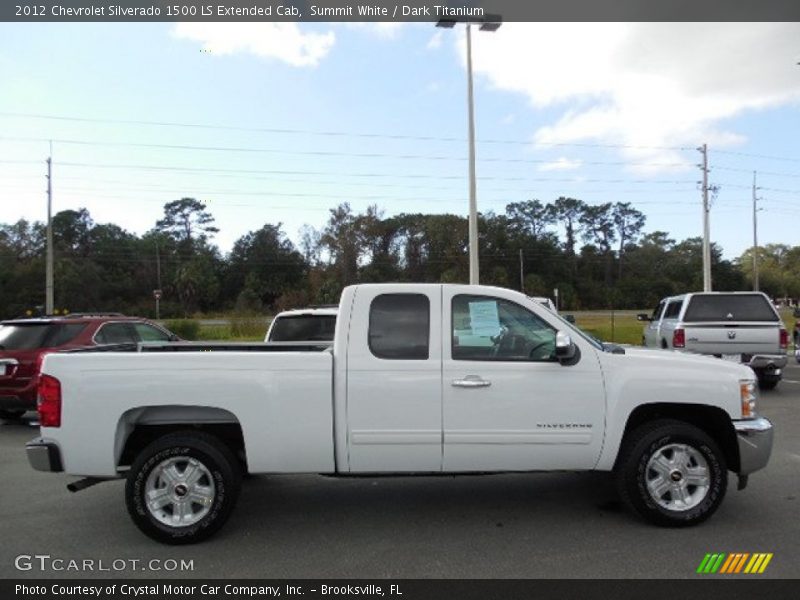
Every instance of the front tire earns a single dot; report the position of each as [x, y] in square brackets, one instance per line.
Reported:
[182, 487]
[672, 473]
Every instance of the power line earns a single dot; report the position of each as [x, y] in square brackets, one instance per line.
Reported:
[284, 152]
[331, 133]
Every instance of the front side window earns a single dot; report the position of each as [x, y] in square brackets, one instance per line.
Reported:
[399, 326]
[657, 311]
[148, 333]
[485, 328]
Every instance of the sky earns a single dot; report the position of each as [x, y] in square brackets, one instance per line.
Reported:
[270, 123]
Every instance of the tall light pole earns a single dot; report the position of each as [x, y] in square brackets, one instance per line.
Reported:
[488, 24]
[48, 283]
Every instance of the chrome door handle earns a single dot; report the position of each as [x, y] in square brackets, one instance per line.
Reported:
[471, 381]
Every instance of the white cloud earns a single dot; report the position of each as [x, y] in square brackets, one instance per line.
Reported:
[433, 87]
[561, 164]
[436, 41]
[280, 41]
[646, 85]
[386, 30]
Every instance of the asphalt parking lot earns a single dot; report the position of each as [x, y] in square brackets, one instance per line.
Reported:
[503, 526]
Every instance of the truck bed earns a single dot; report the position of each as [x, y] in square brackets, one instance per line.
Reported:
[280, 397]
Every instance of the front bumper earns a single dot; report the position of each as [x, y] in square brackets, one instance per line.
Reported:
[755, 444]
[44, 455]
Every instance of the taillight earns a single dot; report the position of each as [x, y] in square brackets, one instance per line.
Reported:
[678, 338]
[784, 339]
[49, 402]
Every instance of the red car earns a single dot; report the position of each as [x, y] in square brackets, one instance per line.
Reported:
[23, 343]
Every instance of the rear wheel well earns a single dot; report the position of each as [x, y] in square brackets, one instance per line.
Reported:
[139, 428]
[712, 420]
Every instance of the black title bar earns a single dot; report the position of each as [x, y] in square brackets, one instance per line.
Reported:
[410, 10]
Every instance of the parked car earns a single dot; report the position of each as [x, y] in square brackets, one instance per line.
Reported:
[796, 333]
[24, 342]
[422, 379]
[738, 326]
[313, 324]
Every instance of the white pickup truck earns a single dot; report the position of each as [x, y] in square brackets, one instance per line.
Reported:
[421, 379]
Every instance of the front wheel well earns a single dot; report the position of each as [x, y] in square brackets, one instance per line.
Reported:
[712, 420]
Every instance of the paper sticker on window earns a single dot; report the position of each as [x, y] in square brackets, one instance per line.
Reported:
[484, 319]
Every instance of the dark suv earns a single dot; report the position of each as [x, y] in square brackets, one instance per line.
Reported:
[23, 343]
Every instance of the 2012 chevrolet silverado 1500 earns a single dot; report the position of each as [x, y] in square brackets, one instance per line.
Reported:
[421, 379]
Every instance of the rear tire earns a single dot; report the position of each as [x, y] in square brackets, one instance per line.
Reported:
[182, 487]
[12, 414]
[768, 383]
[671, 473]
[767, 380]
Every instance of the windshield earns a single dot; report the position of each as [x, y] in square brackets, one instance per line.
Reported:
[31, 336]
[303, 328]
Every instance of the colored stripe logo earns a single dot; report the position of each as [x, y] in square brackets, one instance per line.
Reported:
[733, 563]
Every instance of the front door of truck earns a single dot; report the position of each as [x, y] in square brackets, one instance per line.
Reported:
[508, 404]
[394, 380]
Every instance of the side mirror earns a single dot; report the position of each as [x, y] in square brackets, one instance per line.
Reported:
[567, 352]
[643, 317]
[174, 338]
[569, 319]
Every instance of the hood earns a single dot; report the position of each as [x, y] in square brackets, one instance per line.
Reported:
[673, 358]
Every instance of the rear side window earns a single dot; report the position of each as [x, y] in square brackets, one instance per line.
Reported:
[399, 326]
[730, 307]
[65, 333]
[303, 328]
[673, 309]
[31, 336]
[115, 333]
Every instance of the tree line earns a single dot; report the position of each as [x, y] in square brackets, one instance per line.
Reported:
[597, 256]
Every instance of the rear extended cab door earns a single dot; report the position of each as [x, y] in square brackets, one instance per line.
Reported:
[391, 379]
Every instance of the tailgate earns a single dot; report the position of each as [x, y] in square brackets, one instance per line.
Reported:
[729, 338]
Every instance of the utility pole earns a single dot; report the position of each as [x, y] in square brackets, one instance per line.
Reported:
[521, 273]
[706, 229]
[157, 292]
[755, 236]
[48, 284]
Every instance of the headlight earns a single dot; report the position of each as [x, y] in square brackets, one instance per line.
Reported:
[748, 392]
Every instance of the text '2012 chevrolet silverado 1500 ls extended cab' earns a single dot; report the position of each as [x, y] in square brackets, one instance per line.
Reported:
[421, 379]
